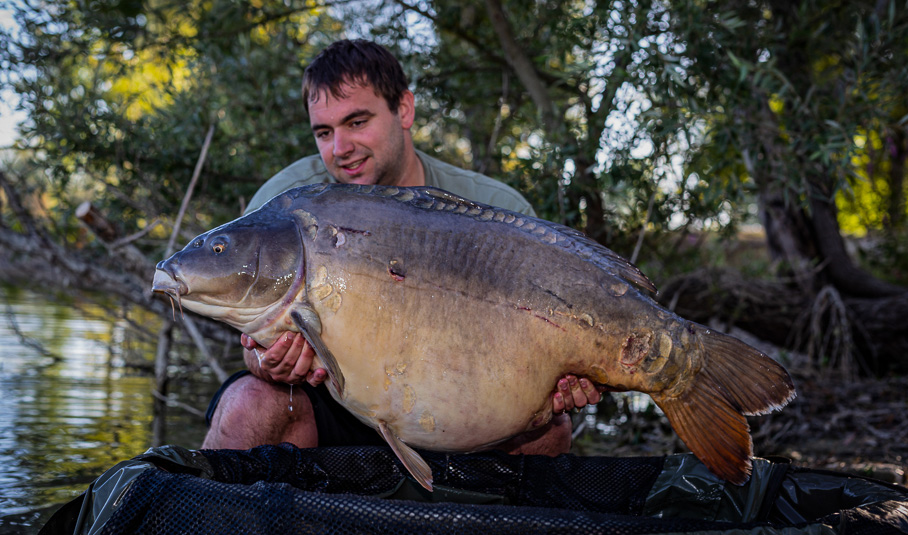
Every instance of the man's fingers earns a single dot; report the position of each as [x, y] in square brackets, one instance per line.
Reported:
[289, 360]
[564, 389]
[590, 391]
[303, 367]
[272, 358]
[578, 395]
[303, 357]
[248, 342]
[294, 353]
[557, 403]
[571, 393]
[317, 376]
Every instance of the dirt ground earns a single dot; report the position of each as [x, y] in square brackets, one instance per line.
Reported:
[857, 425]
[846, 424]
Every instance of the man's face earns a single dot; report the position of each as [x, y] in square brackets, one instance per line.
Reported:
[360, 140]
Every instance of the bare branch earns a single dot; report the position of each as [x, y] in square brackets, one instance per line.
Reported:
[135, 236]
[523, 67]
[195, 178]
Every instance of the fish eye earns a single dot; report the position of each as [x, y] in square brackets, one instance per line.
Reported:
[218, 248]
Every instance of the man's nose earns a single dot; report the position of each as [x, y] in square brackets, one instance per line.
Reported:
[342, 145]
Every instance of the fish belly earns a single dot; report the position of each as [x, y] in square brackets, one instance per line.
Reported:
[442, 374]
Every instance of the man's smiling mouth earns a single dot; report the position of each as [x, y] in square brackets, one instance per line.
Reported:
[353, 166]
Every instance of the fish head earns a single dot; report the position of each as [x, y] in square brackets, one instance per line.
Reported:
[244, 273]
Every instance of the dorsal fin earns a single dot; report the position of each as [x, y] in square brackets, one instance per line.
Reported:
[435, 199]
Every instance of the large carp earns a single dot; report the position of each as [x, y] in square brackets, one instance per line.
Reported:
[422, 305]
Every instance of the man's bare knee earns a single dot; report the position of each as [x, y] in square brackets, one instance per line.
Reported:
[252, 412]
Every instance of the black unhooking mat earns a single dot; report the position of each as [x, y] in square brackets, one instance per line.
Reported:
[283, 489]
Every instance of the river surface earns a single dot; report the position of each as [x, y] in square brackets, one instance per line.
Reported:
[71, 407]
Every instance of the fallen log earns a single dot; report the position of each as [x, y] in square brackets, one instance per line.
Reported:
[871, 332]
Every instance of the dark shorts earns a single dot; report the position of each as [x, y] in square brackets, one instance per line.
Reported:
[335, 425]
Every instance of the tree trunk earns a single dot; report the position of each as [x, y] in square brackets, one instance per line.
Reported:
[838, 266]
[810, 242]
[811, 245]
[788, 238]
[895, 209]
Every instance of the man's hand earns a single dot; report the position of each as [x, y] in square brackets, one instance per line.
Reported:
[575, 393]
[288, 360]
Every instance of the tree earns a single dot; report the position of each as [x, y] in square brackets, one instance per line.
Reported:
[119, 96]
[792, 91]
[798, 85]
[629, 119]
[536, 88]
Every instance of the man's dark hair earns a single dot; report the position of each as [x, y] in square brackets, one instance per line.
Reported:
[354, 61]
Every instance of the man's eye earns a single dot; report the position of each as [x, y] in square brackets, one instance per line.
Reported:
[321, 135]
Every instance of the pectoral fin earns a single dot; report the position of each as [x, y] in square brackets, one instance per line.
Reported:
[310, 326]
[414, 463]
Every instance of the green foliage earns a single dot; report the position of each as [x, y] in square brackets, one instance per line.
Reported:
[789, 91]
[699, 106]
[119, 97]
[653, 116]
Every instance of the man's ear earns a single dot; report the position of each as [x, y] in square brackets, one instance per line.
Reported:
[406, 110]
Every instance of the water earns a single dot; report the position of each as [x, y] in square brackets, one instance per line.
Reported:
[70, 407]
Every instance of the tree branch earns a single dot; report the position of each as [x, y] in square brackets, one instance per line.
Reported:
[523, 67]
[192, 182]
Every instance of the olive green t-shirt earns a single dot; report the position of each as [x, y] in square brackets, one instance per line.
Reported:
[473, 186]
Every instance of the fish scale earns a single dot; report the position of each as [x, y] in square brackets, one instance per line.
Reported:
[427, 309]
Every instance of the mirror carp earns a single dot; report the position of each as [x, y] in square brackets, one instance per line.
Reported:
[423, 306]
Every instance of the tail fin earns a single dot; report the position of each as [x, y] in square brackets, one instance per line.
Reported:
[709, 416]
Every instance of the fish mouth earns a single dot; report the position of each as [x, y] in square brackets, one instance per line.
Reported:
[171, 286]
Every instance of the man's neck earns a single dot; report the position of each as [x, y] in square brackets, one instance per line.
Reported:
[414, 173]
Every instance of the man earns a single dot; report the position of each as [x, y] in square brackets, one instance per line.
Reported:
[361, 112]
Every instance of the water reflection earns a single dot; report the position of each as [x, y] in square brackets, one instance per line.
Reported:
[69, 408]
